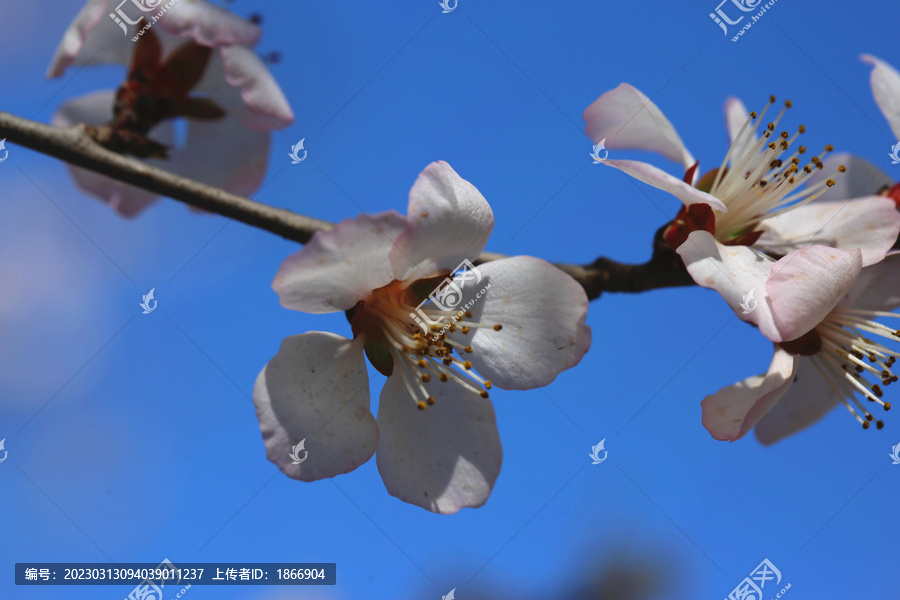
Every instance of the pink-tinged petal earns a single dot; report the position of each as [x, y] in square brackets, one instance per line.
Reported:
[808, 400]
[449, 221]
[542, 313]
[870, 224]
[316, 389]
[338, 268]
[732, 411]
[83, 32]
[886, 89]
[96, 109]
[736, 116]
[208, 24]
[443, 458]
[861, 178]
[738, 273]
[225, 154]
[663, 181]
[629, 120]
[268, 108]
[807, 284]
[877, 287]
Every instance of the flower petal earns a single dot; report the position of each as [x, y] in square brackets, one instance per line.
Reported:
[449, 221]
[225, 154]
[870, 224]
[96, 109]
[663, 181]
[736, 116]
[807, 401]
[878, 286]
[807, 284]
[542, 312]
[443, 458]
[208, 24]
[338, 268]
[886, 89]
[267, 108]
[627, 119]
[316, 389]
[82, 42]
[738, 273]
[732, 411]
[861, 178]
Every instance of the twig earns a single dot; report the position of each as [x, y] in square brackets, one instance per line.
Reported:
[72, 145]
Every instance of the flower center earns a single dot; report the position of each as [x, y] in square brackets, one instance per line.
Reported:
[760, 179]
[852, 362]
[401, 333]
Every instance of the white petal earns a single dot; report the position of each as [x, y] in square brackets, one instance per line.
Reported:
[87, 38]
[449, 220]
[208, 24]
[862, 178]
[732, 411]
[870, 224]
[736, 117]
[738, 273]
[663, 181]
[807, 401]
[443, 458]
[542, 312]
[627, 119]
[338, 268]
[316, 389]
[225, 154]
[806, 285]
[96, 109]
[877, 287]
[267, 108]
[886, 89]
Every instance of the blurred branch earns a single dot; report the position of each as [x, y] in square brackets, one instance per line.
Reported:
[73, 145]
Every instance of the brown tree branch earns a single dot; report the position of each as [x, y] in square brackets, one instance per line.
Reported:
[73, 145]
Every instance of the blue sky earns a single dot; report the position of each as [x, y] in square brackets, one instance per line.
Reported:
[132, 437]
